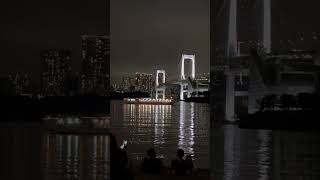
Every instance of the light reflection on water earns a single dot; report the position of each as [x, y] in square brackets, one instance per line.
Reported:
[264, 154]
[29, 152]
[186, 129]
[242, 154]
[76, 156]
[165, 127]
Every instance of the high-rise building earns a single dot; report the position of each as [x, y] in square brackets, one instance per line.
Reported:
[21, 84]
[95, 64]
[57, 68]
[144, 82]
[128, 83]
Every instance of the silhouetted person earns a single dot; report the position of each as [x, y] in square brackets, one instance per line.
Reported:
[179, 164]
[118, 161]
[189, 163]
[151, 164]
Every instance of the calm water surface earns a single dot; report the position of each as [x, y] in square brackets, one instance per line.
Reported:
[264, 154]
[163, 127]
[76, 156]
[236, 153]
[28, 151]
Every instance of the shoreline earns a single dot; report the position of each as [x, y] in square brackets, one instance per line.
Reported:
[165, 172]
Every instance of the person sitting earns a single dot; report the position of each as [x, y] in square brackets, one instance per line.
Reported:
[119, 161]
[189, 164]
[151, 164]
[179, 164]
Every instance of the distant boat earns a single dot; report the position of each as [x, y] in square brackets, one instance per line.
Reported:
[148, 101]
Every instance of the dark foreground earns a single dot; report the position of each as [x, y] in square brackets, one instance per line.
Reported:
[201, 174]
[301, 120]
[20, 108]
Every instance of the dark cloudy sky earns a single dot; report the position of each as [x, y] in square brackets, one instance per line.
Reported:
[146, 34]
[151, 34]
[27, 27]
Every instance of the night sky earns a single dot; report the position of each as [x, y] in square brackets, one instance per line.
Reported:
[151, 34]
[146, 34]
[27, 27]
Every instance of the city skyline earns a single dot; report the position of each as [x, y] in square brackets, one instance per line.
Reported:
[63, 31]
[28, 28]
[145, 89]
[151, 34]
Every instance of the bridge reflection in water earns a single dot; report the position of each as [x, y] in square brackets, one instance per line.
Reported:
[164, 127]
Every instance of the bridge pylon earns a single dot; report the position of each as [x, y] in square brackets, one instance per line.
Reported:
[160, 91]
[185, 86]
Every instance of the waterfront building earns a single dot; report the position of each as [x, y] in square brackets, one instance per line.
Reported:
[56, 70]
[95, 76]
[128, 83]
[144, 82]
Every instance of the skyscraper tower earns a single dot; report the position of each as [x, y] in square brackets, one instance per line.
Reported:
[144, 82]
[95, 64]
[57, 68]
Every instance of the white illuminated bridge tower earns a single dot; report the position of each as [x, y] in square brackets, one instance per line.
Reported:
[185, 84]
[189, 85]
[233, 49]
[233, 53]
[160, 88]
